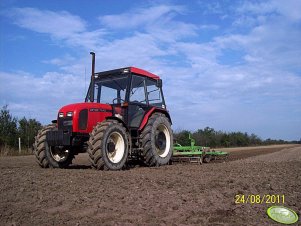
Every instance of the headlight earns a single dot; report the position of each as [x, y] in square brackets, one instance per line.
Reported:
[69, 114]
[61, 115]
[126, 70]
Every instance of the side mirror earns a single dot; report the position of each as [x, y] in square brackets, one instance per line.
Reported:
[159, 83]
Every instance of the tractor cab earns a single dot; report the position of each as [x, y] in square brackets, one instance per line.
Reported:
[130, 91]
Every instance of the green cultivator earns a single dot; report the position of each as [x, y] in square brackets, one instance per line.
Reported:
[196, 154]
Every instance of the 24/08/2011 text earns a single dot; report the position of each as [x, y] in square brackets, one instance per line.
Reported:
[259, 199]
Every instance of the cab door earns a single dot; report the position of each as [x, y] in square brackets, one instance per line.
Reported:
[138, 102]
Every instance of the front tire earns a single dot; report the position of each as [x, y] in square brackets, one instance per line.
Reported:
[49, 156]
[108, 146]
[157, 140]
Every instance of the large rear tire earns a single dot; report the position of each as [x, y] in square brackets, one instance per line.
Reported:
[48, 156]
[108, 146]
[157, 140]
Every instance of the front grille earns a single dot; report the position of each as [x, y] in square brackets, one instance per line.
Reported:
[65, 124]
[83, 119]
[58, 137]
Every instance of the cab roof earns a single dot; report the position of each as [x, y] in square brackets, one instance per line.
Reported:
[129, 69]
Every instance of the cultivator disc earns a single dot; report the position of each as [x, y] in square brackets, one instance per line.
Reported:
[188, 160]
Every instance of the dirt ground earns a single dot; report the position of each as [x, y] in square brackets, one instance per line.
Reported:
[180, 194]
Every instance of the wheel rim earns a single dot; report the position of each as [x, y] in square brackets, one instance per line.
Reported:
[59, 154]
[162, 141]
[115, 147]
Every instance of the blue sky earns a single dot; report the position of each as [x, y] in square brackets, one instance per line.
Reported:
[230, 65]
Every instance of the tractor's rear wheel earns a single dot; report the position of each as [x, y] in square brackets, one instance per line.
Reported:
[49, 156]
[157, 140]
[108, 146]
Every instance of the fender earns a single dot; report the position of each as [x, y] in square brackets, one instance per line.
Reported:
[149, 114]
[119, 120]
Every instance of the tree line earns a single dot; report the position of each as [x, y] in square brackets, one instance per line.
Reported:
[12, 128]
[211, 138]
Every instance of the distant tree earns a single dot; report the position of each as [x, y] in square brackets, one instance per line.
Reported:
[182, 137]
[8, 128]
[199, 138]
[209, 135]
[225, 141]
[11, 129]
[212, 138]
[27, 131]
[255, 140]
[206, 137]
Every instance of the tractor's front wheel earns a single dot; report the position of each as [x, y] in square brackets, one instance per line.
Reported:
[108, 146]
[157, 140]
[50, 156]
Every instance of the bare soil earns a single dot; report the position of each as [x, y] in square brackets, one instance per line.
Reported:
[180, 194]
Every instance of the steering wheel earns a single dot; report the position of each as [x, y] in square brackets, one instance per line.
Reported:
[121, 100]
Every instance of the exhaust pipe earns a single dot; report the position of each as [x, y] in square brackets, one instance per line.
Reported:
[92, 77]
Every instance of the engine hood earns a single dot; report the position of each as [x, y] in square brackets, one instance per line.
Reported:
[84, 116]
[77, 107]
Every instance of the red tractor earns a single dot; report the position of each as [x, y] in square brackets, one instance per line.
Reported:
[123, 118]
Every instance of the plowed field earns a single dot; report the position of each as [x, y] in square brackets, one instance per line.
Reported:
[180, 194]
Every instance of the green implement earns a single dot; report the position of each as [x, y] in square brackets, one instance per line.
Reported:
[196, 154]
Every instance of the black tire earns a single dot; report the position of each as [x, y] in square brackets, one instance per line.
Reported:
[108, 146]
[45, 154]
[157, 140]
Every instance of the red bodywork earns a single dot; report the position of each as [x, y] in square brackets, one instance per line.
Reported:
[143, 72]
[149, 114]
[146, 117]
[93, 116]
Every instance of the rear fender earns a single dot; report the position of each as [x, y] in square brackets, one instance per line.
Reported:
[150, 113]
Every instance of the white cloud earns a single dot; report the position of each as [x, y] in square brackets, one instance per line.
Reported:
[209, 26]
[139, 17]
[65, 60]
[157, 21]
[290, 9]
[40, 97]
[59, 25]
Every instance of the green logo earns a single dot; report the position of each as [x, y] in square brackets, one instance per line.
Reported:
[282, 214]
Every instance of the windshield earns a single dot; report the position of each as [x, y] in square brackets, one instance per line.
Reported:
[111, 89]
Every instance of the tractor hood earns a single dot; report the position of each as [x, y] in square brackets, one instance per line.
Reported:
[83, 116]
[74, 109]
